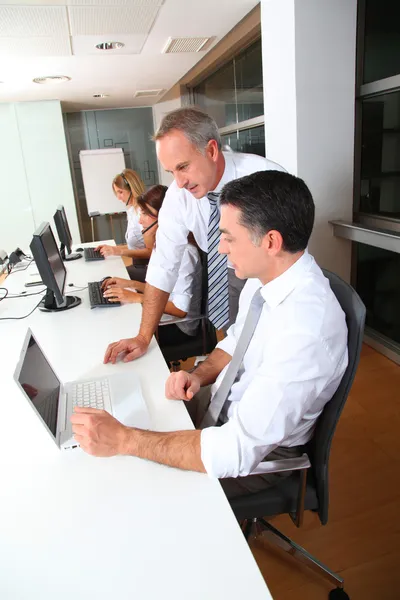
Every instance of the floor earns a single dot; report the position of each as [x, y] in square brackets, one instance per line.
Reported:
[362, 538]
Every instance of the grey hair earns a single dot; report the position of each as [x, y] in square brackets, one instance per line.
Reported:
[196, 125]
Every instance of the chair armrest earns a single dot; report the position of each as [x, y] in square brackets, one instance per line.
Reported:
[280, 466]
[172, 319]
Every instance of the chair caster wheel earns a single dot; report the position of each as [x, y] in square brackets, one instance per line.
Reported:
[338, 594]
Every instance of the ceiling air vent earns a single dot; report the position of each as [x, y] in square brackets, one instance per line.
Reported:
[51, 79]
[147, 93]
[176, 45]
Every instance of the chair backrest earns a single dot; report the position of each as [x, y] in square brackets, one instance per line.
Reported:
[320, 445]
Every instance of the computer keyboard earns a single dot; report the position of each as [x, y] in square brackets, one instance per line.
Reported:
[96, 297]
[90, 394]
[92, 254]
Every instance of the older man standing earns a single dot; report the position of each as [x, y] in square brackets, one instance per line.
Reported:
[189, 146]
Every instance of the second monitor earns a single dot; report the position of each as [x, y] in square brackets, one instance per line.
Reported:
[64, 234]
[52, 270]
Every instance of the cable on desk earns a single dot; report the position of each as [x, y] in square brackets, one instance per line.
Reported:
[23, 317]
[6, 293]
[14, 270]
[22, 295]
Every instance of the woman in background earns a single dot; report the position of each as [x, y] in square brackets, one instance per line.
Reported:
[127, 187]
[185, 298]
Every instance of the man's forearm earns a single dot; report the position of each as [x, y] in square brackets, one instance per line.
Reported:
[180, 449]
[209, 369]
[154, 302]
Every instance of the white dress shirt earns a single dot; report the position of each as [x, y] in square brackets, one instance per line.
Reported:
[181, 212]
[133, 235]
[186, 294]
[292, 368]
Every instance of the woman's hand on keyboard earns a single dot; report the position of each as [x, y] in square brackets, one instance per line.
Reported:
[119, 294]
[119, 281]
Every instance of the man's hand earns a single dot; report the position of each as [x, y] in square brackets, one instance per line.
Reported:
[132, 347]
[182, 386]
[97, 432]
[120, 294]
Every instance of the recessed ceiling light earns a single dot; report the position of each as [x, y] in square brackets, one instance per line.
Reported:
[101, 95]
[51, 79]
[110, 46]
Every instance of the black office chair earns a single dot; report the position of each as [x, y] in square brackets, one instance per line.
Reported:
[205, 339]
[307, 488]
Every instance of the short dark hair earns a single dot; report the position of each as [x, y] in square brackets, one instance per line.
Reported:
[273, 200]
[153, 198]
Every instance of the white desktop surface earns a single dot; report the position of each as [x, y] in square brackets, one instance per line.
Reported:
[76, 526]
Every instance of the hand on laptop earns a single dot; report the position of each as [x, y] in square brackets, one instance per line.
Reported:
[182, 386]
[97, 432]
[131, 347]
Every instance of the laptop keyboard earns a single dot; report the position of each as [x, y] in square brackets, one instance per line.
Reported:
[92, 254]
[90, 394]
[96, 297]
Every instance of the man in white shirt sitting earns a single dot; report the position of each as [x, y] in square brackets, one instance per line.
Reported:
[280, 363]
[188, 145]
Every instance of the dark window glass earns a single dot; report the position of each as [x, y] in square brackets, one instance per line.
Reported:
[378, 283]
[234, 93]
[249, 83]
[380, 155]
[217, 96]
[382, 39]
[248, 140]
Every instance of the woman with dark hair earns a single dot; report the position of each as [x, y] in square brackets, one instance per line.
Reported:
[185, 298]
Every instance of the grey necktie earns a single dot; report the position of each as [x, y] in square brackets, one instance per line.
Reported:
[219, 399]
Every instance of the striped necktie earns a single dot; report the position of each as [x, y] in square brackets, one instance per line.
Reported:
[218, 293]
[222, 393]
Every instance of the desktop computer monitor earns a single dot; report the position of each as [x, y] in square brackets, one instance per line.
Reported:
[64, 234]
[51, 269]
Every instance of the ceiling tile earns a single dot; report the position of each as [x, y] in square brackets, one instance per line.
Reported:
[33, 21]
[35, 46]
[94, 20]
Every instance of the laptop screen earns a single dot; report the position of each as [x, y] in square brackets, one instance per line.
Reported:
[40, 384]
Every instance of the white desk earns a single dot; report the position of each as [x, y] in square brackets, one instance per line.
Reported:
[75, 526]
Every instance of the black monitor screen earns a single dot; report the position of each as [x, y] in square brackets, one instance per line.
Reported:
[40, 384]
[48, 260]
[64, 233]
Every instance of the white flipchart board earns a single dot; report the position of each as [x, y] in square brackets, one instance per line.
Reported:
[99, 167]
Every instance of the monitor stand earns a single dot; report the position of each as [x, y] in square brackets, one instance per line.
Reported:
[72, 256]
[50, 304]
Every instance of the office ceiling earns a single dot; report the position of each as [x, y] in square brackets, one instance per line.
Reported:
[41, 38]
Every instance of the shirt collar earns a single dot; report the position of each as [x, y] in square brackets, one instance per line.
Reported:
[229, 173]
[278, 289]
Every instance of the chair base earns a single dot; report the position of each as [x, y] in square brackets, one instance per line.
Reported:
[294, 549]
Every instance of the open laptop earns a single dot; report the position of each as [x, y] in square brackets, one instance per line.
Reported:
[53, 402]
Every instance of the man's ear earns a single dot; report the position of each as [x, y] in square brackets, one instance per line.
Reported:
[212, 150]
[272, 241]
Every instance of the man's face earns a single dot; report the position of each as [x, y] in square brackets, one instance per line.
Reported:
[192, 170]
[247, 259]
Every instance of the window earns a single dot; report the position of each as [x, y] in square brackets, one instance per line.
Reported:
[251, 140]
[380, 155]
[233, 95]
[378, 284]
[381, 39]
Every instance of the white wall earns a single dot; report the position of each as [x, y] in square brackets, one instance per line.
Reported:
[159, 110]
[34, 172]
[309, 94]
